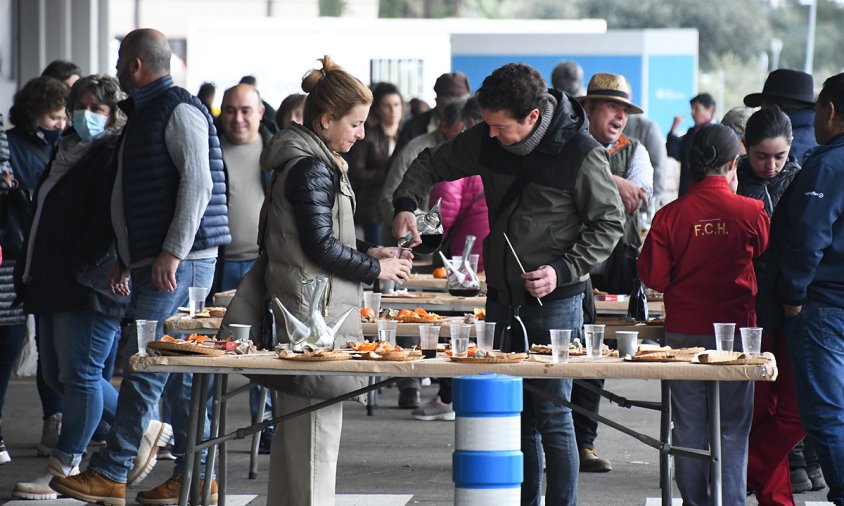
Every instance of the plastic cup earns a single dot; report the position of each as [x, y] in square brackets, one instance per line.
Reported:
[473, 262]
[560, 339]
[459, 340]
[751, 341]
[485, 332]
[460, 347]
[196, 299]
[724, 336]
[147, 330]
[387, 331]
[626, 341]
[372, 300]
[240, 332]
[594, 337]
[388, 286]
[429, 335]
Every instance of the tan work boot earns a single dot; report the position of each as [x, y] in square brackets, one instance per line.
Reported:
[39, 488]
[91, 486]
[168, 492]
[590, 462]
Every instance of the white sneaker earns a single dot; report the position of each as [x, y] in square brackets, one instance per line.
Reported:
[426, 382]
[434, 410]
[39, 488]
[50, 434]
[157, 436]
[4, 453]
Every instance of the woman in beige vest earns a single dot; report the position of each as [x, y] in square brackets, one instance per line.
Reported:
[307, 230]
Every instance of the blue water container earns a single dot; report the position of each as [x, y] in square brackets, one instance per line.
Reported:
[487, 466]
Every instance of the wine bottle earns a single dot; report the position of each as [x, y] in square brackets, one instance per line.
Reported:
[637, 308]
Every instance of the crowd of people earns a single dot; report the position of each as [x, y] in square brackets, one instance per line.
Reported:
[120, 193]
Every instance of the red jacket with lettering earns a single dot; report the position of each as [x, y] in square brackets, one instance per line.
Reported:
[699, 253]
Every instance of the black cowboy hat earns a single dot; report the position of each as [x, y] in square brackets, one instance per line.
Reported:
[785, 84]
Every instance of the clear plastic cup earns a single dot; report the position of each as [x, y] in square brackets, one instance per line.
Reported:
[724, 336]
[626, 342]
[460, 340]
[196, 299]
[147, 331]
[473, 262]
[560, 339]
[751, 341]
[372, 300]
[429, 335]
[387, 331]
[485, 332]
[593, 335]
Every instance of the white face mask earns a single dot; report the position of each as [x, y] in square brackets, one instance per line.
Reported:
[88, 124]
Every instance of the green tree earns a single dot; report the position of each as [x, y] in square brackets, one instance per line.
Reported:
[330, 8]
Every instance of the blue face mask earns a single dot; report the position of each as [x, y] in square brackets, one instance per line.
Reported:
[88, 124]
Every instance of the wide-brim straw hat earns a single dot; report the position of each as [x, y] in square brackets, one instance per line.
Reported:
[610, 87]
[785, 84]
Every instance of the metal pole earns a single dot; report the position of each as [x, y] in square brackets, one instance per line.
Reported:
[810, 36]
[222, 474]
[190, 450]
[713, 395]
[665, 437]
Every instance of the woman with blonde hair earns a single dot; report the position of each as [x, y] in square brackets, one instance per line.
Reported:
[307, 230]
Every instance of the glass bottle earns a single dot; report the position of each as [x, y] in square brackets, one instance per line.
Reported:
[429, 224]
[637, 307]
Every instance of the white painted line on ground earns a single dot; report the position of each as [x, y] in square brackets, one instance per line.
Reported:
[231, 500]
[370, 499]
[657, 501]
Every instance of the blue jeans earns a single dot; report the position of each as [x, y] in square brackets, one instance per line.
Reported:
[689, 413]
[74, 349]
[546, 425]
[141, 391]
[51, 399]
[233, 272]
[816, 345]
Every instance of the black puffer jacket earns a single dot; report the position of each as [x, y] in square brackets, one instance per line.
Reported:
[310, 189]
[769, 191]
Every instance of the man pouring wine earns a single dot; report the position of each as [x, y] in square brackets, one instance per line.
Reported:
[548, 186]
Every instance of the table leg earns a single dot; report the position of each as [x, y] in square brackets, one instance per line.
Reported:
[665, 437]
[200, 432]
[190, 449]
[214, 432]
[256, 438]
[222, 474]
[713, 395]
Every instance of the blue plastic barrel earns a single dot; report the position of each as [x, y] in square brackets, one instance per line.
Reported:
[487, 466]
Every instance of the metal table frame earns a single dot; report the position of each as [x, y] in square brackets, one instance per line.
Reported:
[206, 369]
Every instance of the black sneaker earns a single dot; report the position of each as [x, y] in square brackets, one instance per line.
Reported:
[4, 453]
[266, 442]
[800, 481]
[409, 398]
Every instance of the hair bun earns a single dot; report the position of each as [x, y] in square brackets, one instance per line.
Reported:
[314, 76]
[709, 156]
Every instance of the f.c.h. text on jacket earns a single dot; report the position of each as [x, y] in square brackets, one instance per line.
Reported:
[151, 180]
